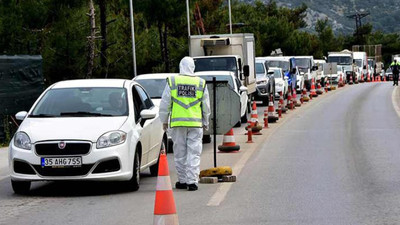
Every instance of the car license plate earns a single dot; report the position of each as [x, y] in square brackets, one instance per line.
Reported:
[61, 162]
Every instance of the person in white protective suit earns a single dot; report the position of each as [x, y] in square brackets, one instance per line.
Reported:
[185, 105]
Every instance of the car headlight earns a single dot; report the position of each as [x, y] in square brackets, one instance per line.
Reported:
[111, 139]
[22, 140]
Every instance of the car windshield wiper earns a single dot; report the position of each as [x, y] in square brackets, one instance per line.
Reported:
[42, 115]
[81, 113]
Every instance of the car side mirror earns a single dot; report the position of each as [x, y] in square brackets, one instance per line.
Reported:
[148, 114]
[246, 70]
[21, 115]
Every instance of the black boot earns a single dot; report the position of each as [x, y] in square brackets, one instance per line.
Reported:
[192, 187]
[179, 185]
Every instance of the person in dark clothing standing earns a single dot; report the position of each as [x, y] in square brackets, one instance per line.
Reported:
[395, 66]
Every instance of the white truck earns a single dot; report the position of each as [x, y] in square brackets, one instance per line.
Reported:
[307, 69]
[360, 59]
[226, 52]
[345, 68]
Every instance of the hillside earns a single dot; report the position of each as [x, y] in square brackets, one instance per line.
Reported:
[384, 14]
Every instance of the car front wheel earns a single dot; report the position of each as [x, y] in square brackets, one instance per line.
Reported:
[133, 183]
[21, 187]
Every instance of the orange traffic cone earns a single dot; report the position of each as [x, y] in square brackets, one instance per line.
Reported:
[362, 78]
[368, 78]
[296, 104]
[356, 80]
[341, 84]
[249, 133]
[313, 93]
[319, 91]
[271, 117]
[305, 97]
[279, 109]
[281, 100]
[164, 208]
[255, 126]
[384, 78]
[326, 86]
[289, 104]
[265, 118]
[351, 80]
[228, 143]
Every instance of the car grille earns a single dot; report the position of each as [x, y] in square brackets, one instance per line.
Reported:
[72, 171]
[70, 148]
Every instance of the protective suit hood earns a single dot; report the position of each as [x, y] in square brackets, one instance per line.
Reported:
[186, 66]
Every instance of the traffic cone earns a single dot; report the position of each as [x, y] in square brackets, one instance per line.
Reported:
[255, 126]
[384, 78]
[289, 104]
[351, 80]
[319, 91]
[356, 80]
[282, 102]
[340, 82]
[279, 109]
[265, 118]
[368, 78]
[296, 104]
[328, 85]
[249, 133]
[228, 143]
[271, 117]
[305, 97]
[379, 78]
[313, 93]
[164, 207]
[362, 78]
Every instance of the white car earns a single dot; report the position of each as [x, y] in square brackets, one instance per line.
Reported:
[94, 129]
[154, 84]
[235, 83]
[281, 83]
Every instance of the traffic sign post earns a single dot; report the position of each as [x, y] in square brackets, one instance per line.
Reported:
[226, 113]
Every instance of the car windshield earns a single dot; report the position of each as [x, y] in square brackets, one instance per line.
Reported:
[216, 64]
[219, 78]
[260, 68]
[154, 87]
[82, 102]
[358, 62]
[303, 62]
[340, 60]
[389, 70]
[284, 65]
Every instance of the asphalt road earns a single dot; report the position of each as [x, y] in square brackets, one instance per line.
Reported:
[335, 160]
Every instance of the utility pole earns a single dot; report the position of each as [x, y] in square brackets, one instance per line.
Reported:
[91, 39]
[358, 17]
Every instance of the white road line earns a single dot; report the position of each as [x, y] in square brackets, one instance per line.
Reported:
[396, 100]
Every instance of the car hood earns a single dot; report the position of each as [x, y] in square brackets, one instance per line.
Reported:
[70, 128]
